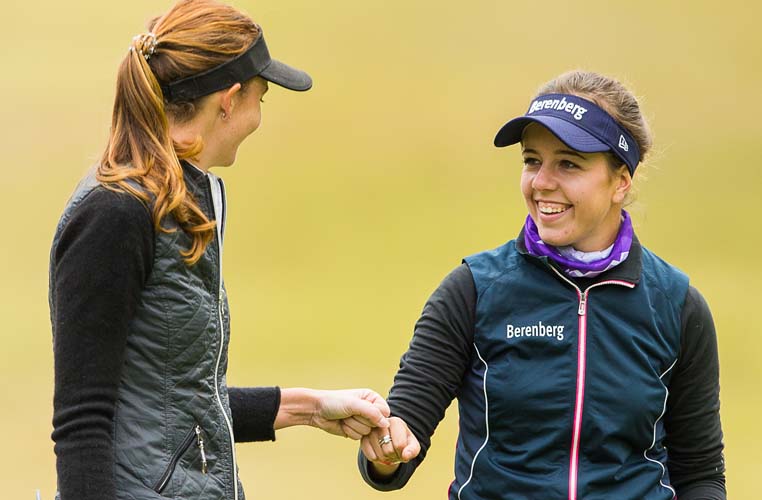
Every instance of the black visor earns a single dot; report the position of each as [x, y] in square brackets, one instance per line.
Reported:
[255, 61]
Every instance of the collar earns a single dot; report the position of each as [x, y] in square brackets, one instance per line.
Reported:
[630, 270]
[192, 173]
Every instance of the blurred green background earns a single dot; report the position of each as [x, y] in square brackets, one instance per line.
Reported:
[355, 199]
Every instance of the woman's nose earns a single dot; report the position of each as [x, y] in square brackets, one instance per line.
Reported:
[544, 180]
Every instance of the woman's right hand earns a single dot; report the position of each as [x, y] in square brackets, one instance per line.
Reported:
[387, 448]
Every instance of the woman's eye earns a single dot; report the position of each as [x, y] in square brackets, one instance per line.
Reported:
[531, 162]
[569, 165]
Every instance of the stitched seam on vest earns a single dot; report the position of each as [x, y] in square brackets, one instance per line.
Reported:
[492, 283]
[653, 265]
[165, 385]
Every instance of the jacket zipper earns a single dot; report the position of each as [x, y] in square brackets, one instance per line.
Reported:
[201, 449]
[218, 217]
[189, 438]
[581, 368]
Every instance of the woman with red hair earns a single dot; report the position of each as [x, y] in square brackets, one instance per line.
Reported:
[138, 303]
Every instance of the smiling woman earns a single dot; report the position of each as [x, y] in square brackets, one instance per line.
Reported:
[573, 198]
[584, 365]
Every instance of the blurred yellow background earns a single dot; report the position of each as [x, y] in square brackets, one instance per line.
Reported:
[355, 199]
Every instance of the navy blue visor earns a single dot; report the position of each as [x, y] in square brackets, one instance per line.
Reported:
[578, 123]
[254, 61]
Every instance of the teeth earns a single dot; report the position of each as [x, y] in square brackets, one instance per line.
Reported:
[552, 210]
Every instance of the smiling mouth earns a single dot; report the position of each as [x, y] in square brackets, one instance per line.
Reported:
[552, 208]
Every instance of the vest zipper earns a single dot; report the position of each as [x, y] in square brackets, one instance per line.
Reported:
[186, 443]
[200, 444]
[579, 397]
[219, 217]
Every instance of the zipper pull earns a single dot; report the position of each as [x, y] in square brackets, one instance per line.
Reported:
[582, 304]
[200, 442]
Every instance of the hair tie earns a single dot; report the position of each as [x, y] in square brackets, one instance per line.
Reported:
[145, 44]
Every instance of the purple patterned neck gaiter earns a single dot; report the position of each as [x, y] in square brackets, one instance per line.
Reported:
[578, 268]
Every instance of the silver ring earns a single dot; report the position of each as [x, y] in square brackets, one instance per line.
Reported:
[385, 440]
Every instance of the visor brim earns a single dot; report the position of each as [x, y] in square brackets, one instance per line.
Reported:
[286, 76]
[568, 133]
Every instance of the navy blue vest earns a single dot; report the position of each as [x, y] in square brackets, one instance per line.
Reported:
[567, 386]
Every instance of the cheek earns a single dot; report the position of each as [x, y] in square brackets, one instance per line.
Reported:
[250, 124]
[526, 185]
[588, 192]
[258, 111]
[592, 202]
[579, 197]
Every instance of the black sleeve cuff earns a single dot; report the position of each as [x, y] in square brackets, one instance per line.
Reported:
[254, 410]
[394, 482]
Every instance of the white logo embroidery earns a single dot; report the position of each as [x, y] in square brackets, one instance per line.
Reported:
[538, 330]
[623, 144]
[559, 105]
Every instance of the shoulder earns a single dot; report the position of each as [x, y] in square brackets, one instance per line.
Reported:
[499, 253]
[103, 218]
[665, 276]
[488, 266]
[104, 207]
[459, 278]
[650, 258]
[120, 203]
[658, 264]
[696, 313]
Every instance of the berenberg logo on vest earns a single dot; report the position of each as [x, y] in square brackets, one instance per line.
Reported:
[538, 330]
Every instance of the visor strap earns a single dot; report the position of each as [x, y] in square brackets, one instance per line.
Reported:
[241, 68]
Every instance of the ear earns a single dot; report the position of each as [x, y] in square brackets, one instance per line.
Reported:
[227, 100]
[623, 183]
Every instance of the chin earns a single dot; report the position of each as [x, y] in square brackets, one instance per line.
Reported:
[554, 239]
[557, 243]
[226, 162]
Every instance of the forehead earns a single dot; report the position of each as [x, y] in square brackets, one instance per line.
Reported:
[536, 136]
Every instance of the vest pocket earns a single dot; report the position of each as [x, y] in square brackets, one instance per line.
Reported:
[195, 435]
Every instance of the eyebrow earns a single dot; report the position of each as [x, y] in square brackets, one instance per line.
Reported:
[558, 152]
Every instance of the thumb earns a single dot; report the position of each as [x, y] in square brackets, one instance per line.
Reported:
[412, 449]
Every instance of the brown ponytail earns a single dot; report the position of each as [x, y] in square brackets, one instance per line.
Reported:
[194, 36]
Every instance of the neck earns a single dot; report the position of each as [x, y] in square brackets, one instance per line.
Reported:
[193, 134]
[575, 263]
[604, 237]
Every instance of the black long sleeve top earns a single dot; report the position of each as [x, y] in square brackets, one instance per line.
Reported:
[101, 263]
[439, 353]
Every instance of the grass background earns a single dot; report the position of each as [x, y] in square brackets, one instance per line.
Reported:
[355, 199]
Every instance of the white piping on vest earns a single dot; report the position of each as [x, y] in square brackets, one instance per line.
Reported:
[218, 199]
[486, 422]
[653, 443]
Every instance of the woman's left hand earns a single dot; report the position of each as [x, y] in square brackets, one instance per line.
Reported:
[387, 448]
